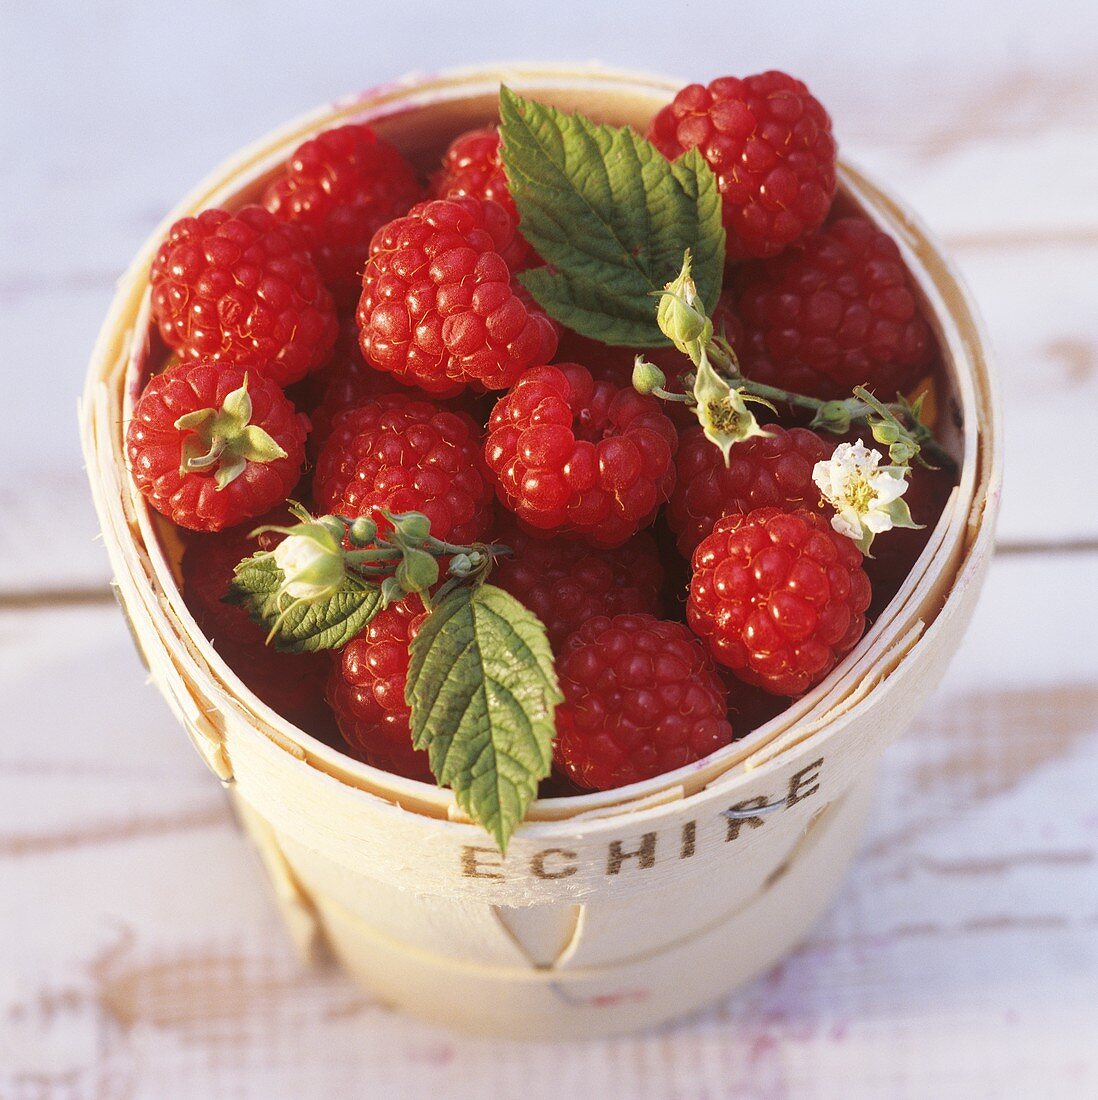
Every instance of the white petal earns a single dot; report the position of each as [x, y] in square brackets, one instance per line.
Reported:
[877, 522]
[847, 522]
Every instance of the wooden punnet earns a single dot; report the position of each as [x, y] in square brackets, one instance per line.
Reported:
[611, 910]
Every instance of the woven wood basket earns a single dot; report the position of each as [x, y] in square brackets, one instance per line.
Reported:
[613, 910]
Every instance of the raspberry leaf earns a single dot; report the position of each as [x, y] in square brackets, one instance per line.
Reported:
[302, 625]
[611, 216]
[483, 691]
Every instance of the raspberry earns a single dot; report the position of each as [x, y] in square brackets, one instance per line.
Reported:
[437, 302]
[241, 288]
[566, 583]
[157, 448]
[763, 471]
[471, 167]
[406, 455]
[339, 188]
[838, 313]
[778, 596]
[641, 699]
[366, 692]
[580, 457]
[769, 142]
[290, 683]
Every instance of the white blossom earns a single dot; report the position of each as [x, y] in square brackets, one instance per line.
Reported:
[865, 495]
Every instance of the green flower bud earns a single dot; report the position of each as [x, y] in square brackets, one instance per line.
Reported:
[833, 416]
[413, 527]
[417, 571]
[334, 524]
[681, 315]
[647, 377]
[363, 531]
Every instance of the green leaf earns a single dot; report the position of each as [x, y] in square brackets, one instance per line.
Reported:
[302, 626]
[612, 218]
[483, 691]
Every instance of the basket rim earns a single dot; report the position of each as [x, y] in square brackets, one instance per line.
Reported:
[981, 436]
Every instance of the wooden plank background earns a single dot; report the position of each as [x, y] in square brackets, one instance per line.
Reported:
[142, 956]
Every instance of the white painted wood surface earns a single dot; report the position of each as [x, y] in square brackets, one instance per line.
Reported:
[142, 956]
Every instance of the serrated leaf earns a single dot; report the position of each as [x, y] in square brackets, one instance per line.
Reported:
[612, 218]
[304, 627]
[483, 691]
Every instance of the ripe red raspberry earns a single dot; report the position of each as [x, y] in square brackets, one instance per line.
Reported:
[641, 698]
[366, 692]
[763, 471]
[406, 455]
[838, 313]
[472, 167]
[290, 683]
[339, 189]
[580, 457]
[241, 288]
[437, 302]
[769, 142]
[183, 416]
[779, 597]
[566, 583]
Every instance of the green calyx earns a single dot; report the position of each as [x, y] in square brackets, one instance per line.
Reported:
[722, 409]
[224, 440]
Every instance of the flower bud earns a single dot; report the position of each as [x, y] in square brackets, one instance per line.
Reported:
[417, 571]
[334, 524]
[833, 416]
[681, 315]
[647, 377]
[413, 527]
[363, 531]
[311, 560]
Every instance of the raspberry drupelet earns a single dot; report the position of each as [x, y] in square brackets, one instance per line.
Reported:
[837, 313]
[438, 306]
[405, 454]
[366, 692]
[339, 188]
[768, 140]
[565, 583]
[763, 471]
[242, 289]
[578, 457]
[192, 448]
[779, 597]
[641, 699]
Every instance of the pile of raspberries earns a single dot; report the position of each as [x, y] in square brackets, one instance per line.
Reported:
[389, 351]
